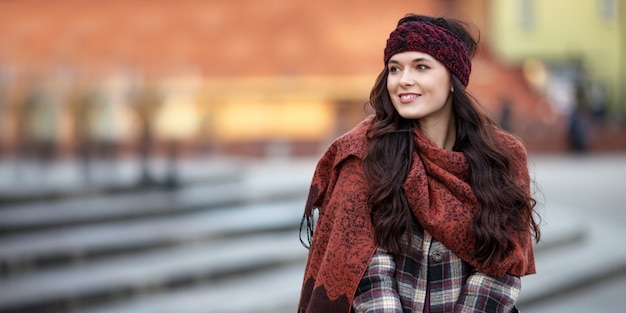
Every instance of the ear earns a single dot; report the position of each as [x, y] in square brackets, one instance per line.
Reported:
[452, 89]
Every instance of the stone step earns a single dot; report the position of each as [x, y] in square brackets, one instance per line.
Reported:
[53, 214]
[598, 256]
[78, 244]
[269, 291]
[130, 275]
[559, 229]
[24, 181]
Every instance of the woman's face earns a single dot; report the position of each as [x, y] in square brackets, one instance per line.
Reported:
[419, 86]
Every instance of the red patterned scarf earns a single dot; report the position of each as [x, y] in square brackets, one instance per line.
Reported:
[440, 196]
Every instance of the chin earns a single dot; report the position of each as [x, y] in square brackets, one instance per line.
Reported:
[410, 116]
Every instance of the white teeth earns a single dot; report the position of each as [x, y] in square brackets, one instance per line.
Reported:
[406, 96]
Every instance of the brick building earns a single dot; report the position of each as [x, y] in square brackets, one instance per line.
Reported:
[230, 76]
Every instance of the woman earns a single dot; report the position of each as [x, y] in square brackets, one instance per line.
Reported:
[424, 206]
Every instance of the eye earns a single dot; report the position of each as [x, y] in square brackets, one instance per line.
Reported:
[422, 67]
[393, 69]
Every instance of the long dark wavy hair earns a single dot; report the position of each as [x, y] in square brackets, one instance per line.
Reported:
[503, 204]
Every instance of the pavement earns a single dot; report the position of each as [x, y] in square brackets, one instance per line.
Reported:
[587, 191]
[581, 258]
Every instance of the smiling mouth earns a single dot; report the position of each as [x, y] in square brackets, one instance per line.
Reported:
[406, 98]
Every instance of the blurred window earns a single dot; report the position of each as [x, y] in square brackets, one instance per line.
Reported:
[526, 14]
[608, 10]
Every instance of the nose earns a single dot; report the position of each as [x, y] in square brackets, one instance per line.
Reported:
[407, 78]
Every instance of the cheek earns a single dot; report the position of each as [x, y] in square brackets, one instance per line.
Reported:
[442, 84]
[443, 95]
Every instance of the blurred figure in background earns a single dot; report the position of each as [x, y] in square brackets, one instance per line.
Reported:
[146, 104]
[37, 127]
[506, 114]
[109, 123]
[81, 113]
[424, 206]
[577, 124]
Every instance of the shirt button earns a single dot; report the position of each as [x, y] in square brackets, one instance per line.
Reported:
[437, 255]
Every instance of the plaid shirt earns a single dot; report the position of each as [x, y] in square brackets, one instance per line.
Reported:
[396, 284]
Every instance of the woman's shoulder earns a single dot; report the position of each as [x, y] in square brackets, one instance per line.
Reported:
[354, 142]
[514, 148]
[510, 142]
[359, 131]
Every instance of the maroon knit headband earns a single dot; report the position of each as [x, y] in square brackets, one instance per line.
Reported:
[436, 41]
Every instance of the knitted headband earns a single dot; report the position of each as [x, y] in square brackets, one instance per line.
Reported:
[436, 41]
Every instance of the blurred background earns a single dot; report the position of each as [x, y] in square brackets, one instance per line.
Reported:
[155, 156]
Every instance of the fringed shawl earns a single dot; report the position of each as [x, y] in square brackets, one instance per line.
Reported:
[441, 199]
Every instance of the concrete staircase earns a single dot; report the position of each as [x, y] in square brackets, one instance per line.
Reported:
[577, 251]
[81, 253]
[229, 246]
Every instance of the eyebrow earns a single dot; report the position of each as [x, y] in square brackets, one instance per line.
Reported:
[414, 60]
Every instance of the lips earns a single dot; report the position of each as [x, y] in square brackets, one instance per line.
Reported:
[408, 97]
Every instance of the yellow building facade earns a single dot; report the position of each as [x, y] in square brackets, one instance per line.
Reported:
[582, 39]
